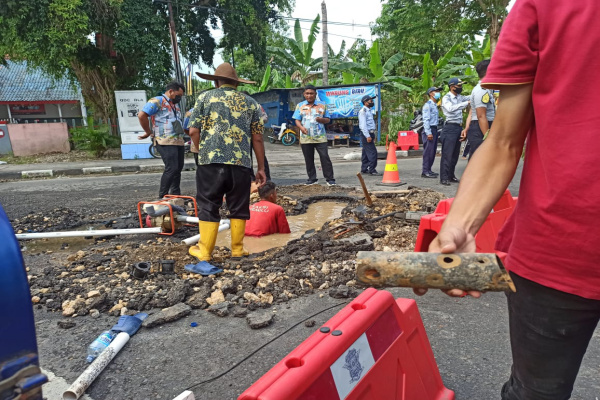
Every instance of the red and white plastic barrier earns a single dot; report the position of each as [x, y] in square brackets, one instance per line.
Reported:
[407, 140]
[375, 348]
[485, 239]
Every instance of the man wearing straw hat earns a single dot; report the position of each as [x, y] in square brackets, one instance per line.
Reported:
[225, 126]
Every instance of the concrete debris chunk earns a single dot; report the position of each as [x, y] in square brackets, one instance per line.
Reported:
[169, 314]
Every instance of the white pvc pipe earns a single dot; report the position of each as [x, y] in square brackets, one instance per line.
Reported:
[103, 232]
[195, 220]
[185, 218]
[194, 239]
[78, 388]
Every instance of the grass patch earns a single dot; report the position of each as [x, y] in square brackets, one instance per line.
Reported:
[11, 159]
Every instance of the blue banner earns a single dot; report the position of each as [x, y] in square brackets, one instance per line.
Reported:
[345, 102]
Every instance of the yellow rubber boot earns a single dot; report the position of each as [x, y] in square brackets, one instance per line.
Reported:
[206, 244]
[238, 230]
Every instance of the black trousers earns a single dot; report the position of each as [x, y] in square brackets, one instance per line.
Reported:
[549, 334]
[369, 154]
[173, 157]
[450, 150]
[213, 181]
[429, 150]
[467, 149]
[308, 150]
[475, 136]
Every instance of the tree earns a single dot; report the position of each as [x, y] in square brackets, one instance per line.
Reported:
[306, 69]
[423, 26]
[496, 12]
[132, 44]
[252, 68]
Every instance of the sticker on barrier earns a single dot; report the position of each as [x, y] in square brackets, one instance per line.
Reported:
[374, 348]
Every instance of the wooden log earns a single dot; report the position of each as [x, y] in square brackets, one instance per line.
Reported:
[364, 188]
[467, 271]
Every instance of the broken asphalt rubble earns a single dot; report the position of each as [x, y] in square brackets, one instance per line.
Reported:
[97, 278]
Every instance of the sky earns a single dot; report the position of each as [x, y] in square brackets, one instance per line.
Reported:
[357, 12]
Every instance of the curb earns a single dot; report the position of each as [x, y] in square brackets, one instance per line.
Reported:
[119, 169]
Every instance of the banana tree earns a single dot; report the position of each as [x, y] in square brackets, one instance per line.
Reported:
[300, 53]
[435, 73]
[354, 72]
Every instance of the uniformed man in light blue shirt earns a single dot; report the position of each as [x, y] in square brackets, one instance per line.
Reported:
[453, 105]
[430, 132]
[367, 126]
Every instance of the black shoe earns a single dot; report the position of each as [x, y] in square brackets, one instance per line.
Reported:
[309, 182]
[434, 173]
[455, 180]
[428, 176]
[374, 173]
[445, 183]
[364, 172]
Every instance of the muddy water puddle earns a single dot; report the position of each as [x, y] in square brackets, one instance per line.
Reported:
[314, 217]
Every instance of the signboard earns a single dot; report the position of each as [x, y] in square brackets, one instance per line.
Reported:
[27, 109]
[129, 104]
[5, 145]
[345, 102]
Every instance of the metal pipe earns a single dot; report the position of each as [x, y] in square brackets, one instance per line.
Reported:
[102, 232]
[194, 239]
[465, 271]
[88, 376]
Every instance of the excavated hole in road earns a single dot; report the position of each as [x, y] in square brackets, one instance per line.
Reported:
[315, 216]
[97, 277]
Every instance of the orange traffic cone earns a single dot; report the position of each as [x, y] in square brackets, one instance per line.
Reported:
[391, 177]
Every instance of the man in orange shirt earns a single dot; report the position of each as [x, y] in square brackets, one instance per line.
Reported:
[266, 216]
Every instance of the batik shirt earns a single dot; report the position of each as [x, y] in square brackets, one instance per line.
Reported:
[307, 114]
[163, 112]
[227, 119]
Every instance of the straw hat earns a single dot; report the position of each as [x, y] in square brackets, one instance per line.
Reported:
[225, 72]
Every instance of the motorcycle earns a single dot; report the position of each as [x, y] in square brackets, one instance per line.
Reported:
[187, 147]
[416, 124]
[283, 134]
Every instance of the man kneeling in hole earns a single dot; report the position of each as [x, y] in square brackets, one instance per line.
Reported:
[266, 216]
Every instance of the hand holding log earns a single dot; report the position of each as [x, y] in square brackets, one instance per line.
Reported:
[466, 271]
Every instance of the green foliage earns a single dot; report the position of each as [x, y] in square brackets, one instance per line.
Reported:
[375, 71]
[134, 50]
[94, 140]
[300, 54]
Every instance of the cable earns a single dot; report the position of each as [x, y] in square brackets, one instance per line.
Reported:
[263, 346]
[225, 10]
[347, 37]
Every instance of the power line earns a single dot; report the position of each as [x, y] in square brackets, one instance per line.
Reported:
[226, 10]
[347, 37]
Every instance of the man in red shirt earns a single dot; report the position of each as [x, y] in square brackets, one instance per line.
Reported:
[266, 216]
[545, 48]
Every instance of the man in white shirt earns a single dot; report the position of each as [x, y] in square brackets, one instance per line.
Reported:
[453, 104]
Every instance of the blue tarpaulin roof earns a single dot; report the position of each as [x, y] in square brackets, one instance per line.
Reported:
[18, 83]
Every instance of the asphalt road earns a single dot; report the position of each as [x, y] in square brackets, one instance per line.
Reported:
[469, 336]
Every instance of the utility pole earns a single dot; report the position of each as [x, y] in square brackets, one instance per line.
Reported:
[178, 72]
[325, 45]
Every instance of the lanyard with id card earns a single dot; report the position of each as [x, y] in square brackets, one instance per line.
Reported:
[175, 122]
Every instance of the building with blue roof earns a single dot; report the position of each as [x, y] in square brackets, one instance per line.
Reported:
[27, 95]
